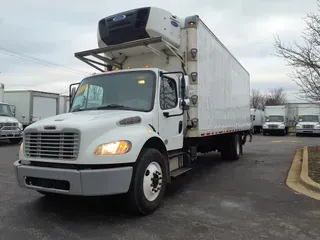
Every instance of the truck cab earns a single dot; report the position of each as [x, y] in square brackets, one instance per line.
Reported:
[308, 124]
[10, 128]
[308, 120]
[276, 120]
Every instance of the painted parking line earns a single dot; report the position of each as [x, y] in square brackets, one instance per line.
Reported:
[285, 141]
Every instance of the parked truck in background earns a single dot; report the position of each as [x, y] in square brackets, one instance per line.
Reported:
[64, 104]
[257, 118]
[32, 105]
[169, 89]
[276, 120]
[10, 128]
[308, 120]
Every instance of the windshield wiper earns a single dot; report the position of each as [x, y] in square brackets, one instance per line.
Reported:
[116, 106]
[78, 109]
[4, 115]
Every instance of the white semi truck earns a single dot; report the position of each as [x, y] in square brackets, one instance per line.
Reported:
[276, 120]
[168, 90]
[257, 118]
[309, 120]
[10, 128]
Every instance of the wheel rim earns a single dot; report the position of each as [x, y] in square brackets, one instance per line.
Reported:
[152, 181]
[238, 147]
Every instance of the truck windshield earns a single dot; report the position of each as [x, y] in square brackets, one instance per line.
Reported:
[309, 118]
[5, 110]
[275, 119]
[118, 90]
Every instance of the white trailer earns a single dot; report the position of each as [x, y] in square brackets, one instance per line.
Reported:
[309, 120]
[64, 104]
[257, 118]
[32, 105]
[168, 90]
[276, 120]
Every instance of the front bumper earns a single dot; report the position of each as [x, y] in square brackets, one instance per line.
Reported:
[7, 134]
[307, 131]
[96, 182]
[267, 130]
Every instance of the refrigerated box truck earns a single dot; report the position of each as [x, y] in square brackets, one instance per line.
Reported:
[308, 120]
[276, 120]
[32, 105]
[169, 89]
[257, 118]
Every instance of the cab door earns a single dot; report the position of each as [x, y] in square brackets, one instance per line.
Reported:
[170, 127]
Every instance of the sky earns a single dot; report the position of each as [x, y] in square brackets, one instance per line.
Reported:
[53, 31]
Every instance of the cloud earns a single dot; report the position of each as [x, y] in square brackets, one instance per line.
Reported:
[54, 31]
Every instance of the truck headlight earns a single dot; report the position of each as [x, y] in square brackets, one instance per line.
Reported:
[317, 126]
[265, 126]
[113, 148]
[298, 126]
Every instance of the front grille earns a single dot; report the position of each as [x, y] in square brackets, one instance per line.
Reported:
[273, 126]
[307, 126]
[53, 145]
[8, 126]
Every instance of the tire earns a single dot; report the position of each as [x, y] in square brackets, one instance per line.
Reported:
[15, 140]
[284, 132]
[264, 133]
[143, 199]
[298, 134]
[232, 148]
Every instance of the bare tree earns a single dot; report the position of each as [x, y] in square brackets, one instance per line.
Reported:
[276, 96]
[304, 58]
[257, 99]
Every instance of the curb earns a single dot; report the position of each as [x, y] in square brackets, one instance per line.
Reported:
[305, 180]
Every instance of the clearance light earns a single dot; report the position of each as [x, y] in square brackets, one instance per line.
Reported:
[141, 81]
[129, 67]
[93, 74]
[147, 66]
[113, 148]
[191, 23]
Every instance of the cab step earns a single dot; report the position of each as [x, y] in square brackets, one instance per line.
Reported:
[178, 172]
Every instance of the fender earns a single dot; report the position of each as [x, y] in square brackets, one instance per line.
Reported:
[138, 135]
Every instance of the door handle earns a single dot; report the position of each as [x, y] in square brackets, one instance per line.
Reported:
[180, 127]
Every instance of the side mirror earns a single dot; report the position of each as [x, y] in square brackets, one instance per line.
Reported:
[13, 109]
[73, 92]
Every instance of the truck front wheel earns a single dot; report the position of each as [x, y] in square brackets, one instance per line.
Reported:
[232, 148]
[148, 182]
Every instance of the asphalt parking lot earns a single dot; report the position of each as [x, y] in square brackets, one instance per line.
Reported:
[247, 199]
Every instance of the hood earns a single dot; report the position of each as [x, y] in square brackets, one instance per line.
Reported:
[87, 120]
[5, 119]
